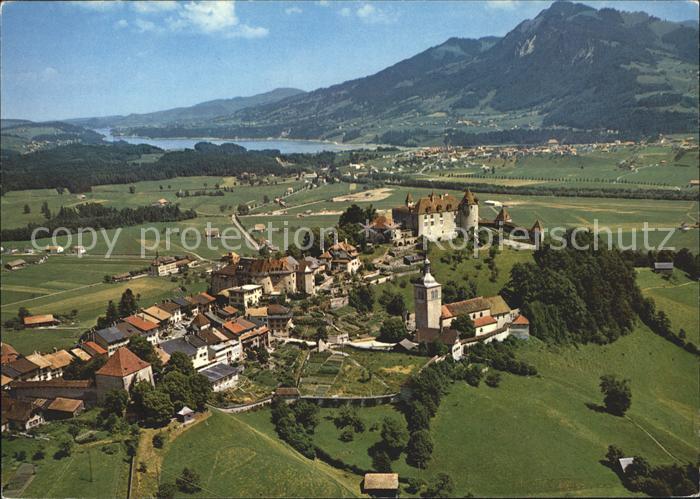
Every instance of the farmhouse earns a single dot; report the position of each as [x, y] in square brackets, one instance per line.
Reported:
[62, 408]
[663, 268]
[381, 484]
[20, 415]
[15, 264]
[40, 320]
[7, 353]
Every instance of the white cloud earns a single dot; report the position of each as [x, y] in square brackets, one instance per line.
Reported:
[98, 5]
[324, 3]
[245, 31]
[502, 4]
[121, 24]
[210, 16]
[369, 13]
[293, 10]
[147, 26]
[150, 7]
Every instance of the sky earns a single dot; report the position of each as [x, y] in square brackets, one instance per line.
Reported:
[64, 60]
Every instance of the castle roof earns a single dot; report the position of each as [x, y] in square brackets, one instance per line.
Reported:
[435, 204]
[123, 363]
[503, 216]
[469, 198]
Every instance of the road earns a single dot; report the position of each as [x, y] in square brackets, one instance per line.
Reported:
[251, 242]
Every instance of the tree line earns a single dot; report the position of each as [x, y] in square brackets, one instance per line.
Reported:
[98, 216]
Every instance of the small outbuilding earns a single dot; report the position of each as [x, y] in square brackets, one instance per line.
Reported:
[381, 484]
[663, 268]
[185, 415]
[63, 408]
[15, 264]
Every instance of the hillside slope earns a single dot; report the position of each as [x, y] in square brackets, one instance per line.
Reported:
[571, 66]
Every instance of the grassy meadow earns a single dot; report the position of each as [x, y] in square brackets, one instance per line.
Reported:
[240, 456]
[66, 283]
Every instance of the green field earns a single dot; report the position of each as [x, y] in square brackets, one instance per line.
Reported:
[66, 283]
[536, 436]
[240, 456]
[97, 469]
[677, 296]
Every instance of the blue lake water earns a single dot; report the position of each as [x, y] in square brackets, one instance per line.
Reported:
[284, 146]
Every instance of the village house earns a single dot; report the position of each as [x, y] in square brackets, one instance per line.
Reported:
[222, 346]
[222, 376]
[192, 346]
[200, 323]
[341, 257]
[20, 415]
[130, 330]
[174, 309]
[21, 369]
[147, 327]
[201, 302]
[7, 353]
[279, 320]
[162, 317]
[250, 333]
[54, 250]
[93, 349]
[79, 250]
[111, 339]
[243, 297]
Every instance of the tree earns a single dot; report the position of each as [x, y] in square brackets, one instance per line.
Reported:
[392, 330]
[394, 437]
[128, 304]
[393, 303]
[617, 394]
[132, 189]
[80, 369]
[464, 325]
[321, 333]
[23, 312]
[362, 299]
[180, 362]
[158, 440]
[493, 379]
[417, 416]
[613, 456]
[45, 210]
[111, 314]
[381, 462]
[177, 386]
[419, 449]
[201, 391]
[143, 349]
[158, 409]
[115, 402]
[65, 448]
[188, 481]
[441, 486]
[166, 490]
[307, 414]
[27, 209]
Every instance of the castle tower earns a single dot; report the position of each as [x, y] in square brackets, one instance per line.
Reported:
[427, 296]
[409, 200]
[468, 213]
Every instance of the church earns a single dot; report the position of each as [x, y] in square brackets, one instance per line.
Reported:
[492, 317]
[438, 217]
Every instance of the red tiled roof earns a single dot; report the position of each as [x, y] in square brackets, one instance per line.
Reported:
[7, 353]
[521, 320]
[238, 326]
[95, 348]
[140, 324]
[464, 307]
[123, 363]
[484, 321]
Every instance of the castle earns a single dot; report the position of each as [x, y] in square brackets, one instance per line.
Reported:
[438, 217]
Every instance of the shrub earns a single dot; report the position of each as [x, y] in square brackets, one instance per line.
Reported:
[158, 441]
[493, 379]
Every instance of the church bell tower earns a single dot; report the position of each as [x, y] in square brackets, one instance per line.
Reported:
[427, 297]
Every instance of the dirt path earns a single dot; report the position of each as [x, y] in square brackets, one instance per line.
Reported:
[652, 437]
[252, 242]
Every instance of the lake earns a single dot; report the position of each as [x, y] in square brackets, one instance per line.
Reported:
[284, 146]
